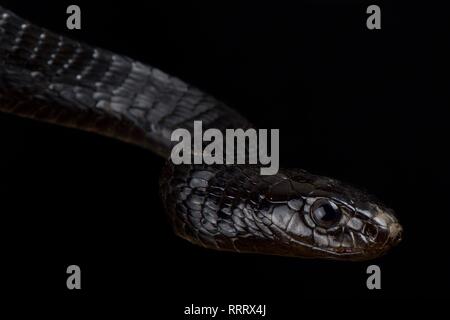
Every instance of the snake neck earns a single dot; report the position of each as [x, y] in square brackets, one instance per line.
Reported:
[51, 78]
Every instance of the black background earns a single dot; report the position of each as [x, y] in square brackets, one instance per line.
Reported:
[363, 106]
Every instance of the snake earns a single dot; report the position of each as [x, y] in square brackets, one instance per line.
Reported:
[51, 78]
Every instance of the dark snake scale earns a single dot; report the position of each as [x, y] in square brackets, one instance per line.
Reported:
[51, 78]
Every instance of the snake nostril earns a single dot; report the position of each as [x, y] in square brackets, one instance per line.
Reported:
[371, 231]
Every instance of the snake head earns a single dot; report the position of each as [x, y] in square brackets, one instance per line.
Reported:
[316, 216]
[292, 213]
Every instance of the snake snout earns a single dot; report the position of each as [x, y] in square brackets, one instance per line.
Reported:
[395, 233]
[389, 233]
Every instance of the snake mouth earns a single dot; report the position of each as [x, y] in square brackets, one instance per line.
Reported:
[347, 254]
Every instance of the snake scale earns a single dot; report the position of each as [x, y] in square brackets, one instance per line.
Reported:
[51, 78]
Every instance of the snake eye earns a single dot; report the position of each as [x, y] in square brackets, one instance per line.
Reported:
[325, 213]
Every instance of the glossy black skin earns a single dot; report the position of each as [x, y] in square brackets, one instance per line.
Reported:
[237, 209]
[51, 78]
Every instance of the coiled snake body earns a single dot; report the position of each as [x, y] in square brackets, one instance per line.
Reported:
[48, 77]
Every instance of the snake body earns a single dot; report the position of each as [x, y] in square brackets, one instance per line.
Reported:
[51, 78]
